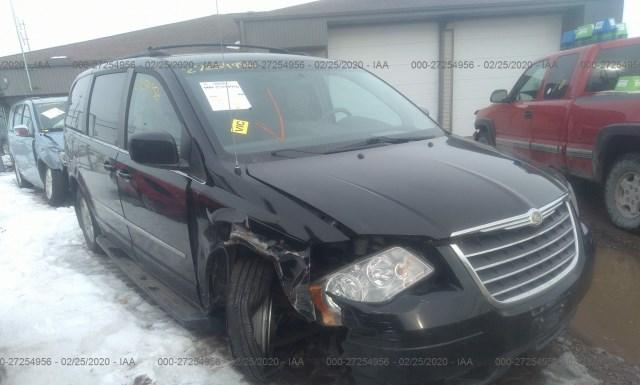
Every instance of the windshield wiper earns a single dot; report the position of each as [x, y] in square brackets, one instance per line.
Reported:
[379, 140]
[294, 150]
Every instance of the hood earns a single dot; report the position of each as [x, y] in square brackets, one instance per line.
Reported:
[414, 188]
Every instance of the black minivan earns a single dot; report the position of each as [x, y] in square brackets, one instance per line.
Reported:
[290, 198]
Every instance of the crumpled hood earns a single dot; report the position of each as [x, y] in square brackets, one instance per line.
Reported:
[413, 188]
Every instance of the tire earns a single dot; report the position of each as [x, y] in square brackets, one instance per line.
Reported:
[249, 304]
[87, 223]
[19, 178]
[483, 138]
[55, 186]
[622, 192]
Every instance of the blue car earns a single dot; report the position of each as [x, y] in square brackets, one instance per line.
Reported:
[36, 144]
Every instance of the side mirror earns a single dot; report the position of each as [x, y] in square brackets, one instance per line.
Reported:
[156, 149]
[499, 96]
[21, 130]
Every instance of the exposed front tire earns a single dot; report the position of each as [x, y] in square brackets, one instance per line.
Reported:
[252, 317]
[55, 186]
[87, 223]
[622, 192]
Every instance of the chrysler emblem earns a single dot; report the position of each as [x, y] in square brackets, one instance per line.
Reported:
[535, 217]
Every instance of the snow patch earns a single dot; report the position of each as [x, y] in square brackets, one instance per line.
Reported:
[61, 301]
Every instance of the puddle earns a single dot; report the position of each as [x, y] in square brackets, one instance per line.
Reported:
[609, 316]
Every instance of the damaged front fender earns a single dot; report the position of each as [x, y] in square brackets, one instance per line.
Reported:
[292, 266]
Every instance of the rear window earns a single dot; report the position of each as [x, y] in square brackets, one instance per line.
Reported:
[105, 106]
[616, 69]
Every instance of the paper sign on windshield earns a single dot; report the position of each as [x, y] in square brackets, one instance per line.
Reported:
[225, 96]
[52, 112]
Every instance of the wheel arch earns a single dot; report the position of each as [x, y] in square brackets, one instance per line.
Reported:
[612, 142]
[483, 124]
[228, 234]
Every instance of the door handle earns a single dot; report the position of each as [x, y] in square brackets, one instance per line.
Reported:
[123, 174]
[528, 114]
[108, 166]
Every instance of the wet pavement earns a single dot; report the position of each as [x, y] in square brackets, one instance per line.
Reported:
[609, 316]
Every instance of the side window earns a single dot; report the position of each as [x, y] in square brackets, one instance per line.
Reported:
[77, 102]
[560, 77]
[150, 109]
[105, 105]
[17, 115]
[26, 118]
[364, 105]
[526, 89]
[616, 69]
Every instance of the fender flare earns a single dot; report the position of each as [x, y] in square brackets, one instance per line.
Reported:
[605, 136]
[488, 125]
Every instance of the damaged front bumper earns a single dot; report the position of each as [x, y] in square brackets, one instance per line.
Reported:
[457, 336]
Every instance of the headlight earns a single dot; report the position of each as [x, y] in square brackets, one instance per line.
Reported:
[375, 279]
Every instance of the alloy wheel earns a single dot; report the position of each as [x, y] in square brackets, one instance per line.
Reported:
[627, 196]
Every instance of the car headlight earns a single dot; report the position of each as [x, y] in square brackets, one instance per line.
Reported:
[375, 279]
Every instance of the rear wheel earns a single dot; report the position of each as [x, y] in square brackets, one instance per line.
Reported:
[622, 192]
[87, 223]
[256, 317]
[54, 186]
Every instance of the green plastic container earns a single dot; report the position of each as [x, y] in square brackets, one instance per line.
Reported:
[628, 84]
[584, 32]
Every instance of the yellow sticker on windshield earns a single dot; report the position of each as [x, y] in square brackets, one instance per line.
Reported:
[240, 126]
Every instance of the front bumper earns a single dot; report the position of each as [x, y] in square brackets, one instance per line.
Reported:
[457, 336]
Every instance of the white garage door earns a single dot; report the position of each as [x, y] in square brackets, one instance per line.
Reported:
[489, 44]
[397, 45]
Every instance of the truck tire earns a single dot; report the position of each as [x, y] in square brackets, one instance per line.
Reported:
[250, 318]
[622, 192]
[483, 137]
[55, 186]
[87, 223]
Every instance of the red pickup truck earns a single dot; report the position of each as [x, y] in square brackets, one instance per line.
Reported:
[577, 111]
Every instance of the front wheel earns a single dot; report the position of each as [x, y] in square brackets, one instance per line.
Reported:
[256, 317]
[483, 137]
[55, 186]
[622, 192]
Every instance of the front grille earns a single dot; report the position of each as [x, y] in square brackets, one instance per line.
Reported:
[514, 259]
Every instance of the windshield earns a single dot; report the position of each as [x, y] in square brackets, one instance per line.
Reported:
[255, 111]
[50, 116]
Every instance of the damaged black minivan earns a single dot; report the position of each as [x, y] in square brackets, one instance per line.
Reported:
[290, 198]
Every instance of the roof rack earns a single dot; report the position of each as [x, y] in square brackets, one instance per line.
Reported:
[159, 49]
